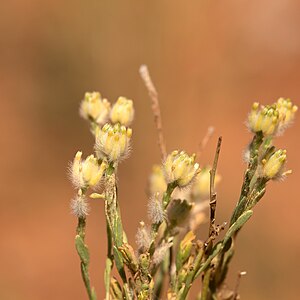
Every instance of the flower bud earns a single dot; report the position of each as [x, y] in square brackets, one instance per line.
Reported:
[201, 185]
[86, 173]
[287, 113]
[181, 168]
[157, 181]
[113, 142]
[94, 108]
[122, 111]
[272, 167]
[263, 118]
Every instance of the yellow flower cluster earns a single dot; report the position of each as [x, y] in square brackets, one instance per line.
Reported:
[113, 142]
[122, 112]
[181, 168]
[99, 110]
[273, 166]
[272, 119]
[94, 108]
[86, 173]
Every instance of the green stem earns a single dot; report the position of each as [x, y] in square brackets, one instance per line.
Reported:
[205, 287]
[83, 253]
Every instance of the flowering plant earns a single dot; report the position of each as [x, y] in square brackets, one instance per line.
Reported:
[179, 190]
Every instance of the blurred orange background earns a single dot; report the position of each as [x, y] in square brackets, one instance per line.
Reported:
[209, 60]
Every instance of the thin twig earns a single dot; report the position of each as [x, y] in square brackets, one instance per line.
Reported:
[212, 193]
[144, 72]
[205, 140]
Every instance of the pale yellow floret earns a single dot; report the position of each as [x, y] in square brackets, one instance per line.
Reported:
[201, 185]
[180, 167]
[286, 111]
[113, 142]
[264, 118]
[273, 166]
[157, 181]
[95, 108]
[122, 112]
[88, 172]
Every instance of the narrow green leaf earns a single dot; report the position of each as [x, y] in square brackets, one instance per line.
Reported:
[82, 250]
[119, 263]
[237, 225]
[108, 267]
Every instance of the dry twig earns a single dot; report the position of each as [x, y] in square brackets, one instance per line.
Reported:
[144, 72]
[213, 194]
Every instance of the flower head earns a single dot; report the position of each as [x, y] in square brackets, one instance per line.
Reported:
[122, 111]
[263, 118]
[94, 108]
[86, 173]
[181, 168]
[273, 166]
[157, 181]
[113, 141]
[287, 113]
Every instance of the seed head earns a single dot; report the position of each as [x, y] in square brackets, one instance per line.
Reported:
[94, 108]
[161, 251]
[122, 112]
[143, 238]
[113, 141]
[155, 209]
[79, 206]
[181, 168]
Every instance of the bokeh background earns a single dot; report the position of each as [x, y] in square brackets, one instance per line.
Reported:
[209, 59]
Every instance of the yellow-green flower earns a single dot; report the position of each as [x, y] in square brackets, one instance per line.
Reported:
[157, 181]
[181, 168]
[122, 112]
[263, 118]
[273, 166]
[287, 113]
[113, 142]
[94, 108]
[86, 173]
